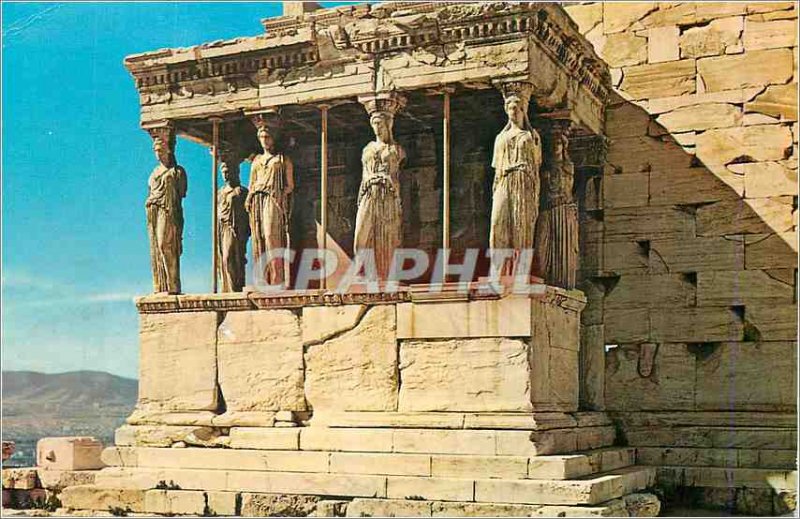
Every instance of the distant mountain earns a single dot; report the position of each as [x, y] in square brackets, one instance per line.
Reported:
[77, 403]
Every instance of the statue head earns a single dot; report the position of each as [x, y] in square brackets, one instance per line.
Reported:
[164, 144]
[163, 152]
[229, 166]
[516, 96]
[382, 123]
[265, 138]
[381, 109]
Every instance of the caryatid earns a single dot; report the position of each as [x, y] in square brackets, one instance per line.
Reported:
[557, 244]
[164, 208]
[269, 206]
[379, 219]
[515, 192]
[232, 225]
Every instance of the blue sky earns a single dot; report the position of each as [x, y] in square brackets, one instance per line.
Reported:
[75, 167]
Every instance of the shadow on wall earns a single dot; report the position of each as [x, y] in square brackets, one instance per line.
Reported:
[690, 269]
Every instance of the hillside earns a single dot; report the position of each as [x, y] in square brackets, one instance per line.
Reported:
[78, 403]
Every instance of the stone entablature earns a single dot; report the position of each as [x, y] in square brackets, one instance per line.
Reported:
[441, 43]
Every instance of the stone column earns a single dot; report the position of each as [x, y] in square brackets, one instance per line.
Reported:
[557, 244]
[232, 224]
[379, 218]
[164, 209]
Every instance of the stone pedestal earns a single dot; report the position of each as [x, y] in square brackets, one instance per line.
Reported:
[395, 403]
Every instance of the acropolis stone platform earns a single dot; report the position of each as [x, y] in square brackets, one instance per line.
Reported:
[395, 403]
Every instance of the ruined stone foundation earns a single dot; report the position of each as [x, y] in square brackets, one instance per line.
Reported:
[365, 405]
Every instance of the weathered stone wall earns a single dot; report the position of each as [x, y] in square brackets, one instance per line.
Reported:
[695, 237]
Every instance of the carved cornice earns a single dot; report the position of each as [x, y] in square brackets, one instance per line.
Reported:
[360, 32]
[572, 300]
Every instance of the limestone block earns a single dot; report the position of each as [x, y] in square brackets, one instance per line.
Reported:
[626, 257]
[663, 44]
[505, 317]
[324, 484]
[624, 49]
[159, 435]
[662, 290]
[743, 376]
[465, 375]
[434, 441]
[178, 343]
[671, 14]
[701, 117]
[777, 101]
[554, 377]
[470, 467]
[712, 39]
[709, 11]
[90, 497]
[766, 7]
[357, 370]
[59, 479]
[233, 459]
[626, 325]
[626, 120]
[261, 361]
[540, 421]
[758, 143]
[659, 80]
[592, 366]
[742, 287]
[751, 69]
[647, 223]
[736, 96]
[69, 453]
[642, 505]
[669, 384]
[388, 508]
[320, 323]
[643, 154]
[765, 179]
[695, 325]
[189, 502]
[625, 190]
[267, 438]
[697, 254]
[587, 16]
[20, 478]
[619, 17]
[352, 440]
[586, 491]
[757, 215]
[769, 35]
[271, 505]
[416, 488]
[221, 503]
[773, 322]
[382, 464]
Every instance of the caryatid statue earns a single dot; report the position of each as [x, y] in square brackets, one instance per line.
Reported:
[379, 219]
[557, 244]
[269, 206]
[515, 192]
[232, 225]
[164, 208]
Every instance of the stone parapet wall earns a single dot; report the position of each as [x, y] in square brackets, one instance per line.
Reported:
[248, 359]
[692, 285]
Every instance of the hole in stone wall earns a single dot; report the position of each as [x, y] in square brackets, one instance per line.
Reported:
[702, 350]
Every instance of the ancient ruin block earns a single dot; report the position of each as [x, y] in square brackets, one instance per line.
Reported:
[758, 68]
[69, 453]
[357, 370]
[260, 356]
[178, 343]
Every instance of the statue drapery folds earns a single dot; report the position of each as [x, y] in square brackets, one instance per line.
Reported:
[164, 208]
[233, 225]
[379, 217]
[516, 161]
[269, 207]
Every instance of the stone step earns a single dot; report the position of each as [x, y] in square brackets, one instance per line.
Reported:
[719, 477]
[588, 490]
[197, 502]
[720, 457]
[484, 442]
[460, 466]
